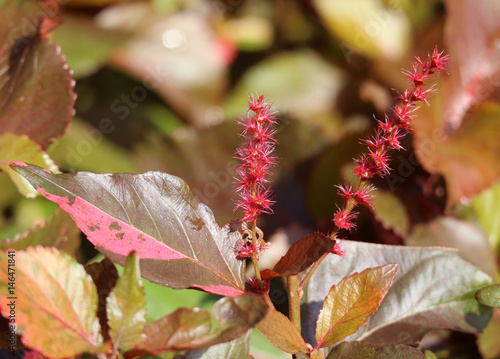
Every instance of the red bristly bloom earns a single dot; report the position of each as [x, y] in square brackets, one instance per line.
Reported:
[257, 159]
[387, 137]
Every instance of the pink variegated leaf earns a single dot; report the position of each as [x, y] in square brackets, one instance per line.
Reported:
[155, 214]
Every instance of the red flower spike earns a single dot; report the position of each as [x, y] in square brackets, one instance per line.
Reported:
[256, 154]
[389, 135]
[337, 249]
[344, 219]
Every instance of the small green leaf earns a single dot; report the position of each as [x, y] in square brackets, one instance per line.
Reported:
[360, 350]
[56, 302]
[282, 333]
[489, 296]
[21, 148]
[349, 303]
[126, 307]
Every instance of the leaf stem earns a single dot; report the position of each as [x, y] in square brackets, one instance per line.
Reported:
[255, 261]
[309, 274]
[292, 287]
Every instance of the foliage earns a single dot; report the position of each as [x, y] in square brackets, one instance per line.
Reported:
[137, 264]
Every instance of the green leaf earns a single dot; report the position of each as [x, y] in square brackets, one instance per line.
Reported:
[191, 329]
[105, 276]
[427, 293]
[238, 348]
[56, 302]
[450, 232]
[36, 88]
[126, 307]
[282, 333]
[59, 231]
[349, 303]
[487, 207]
[390, 212]
[154, 214]
[489, 296]
[360, 350]
[21, 148]
[488, 342]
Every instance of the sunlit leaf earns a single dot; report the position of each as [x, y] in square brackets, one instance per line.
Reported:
[126, 306]
[428, 292]
[154, 214]
[389, 211]
[282, 333]
[488, 342]
[487, 207]
[21, 148]
[56, 302]
[349, 303]
[36, 88]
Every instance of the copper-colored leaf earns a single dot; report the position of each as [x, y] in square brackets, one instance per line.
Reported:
[360, 350]
[36, 88]
[55, 301]
[349, 303]
[282, 333]
[301, 255]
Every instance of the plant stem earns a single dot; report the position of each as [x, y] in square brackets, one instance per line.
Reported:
[309, 274]
[254, 255]
[267, 300]
[292, 287]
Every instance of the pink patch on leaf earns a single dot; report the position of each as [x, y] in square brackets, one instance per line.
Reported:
[47, 171]
[221, 290]
[111, 233]
[18, 163]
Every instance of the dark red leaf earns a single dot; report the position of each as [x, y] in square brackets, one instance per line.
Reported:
[301, 255]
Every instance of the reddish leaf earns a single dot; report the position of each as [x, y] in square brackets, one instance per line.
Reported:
[282, 333]
[36, 90]
[301, 255]
[104, 275]
[154, 214]
[191, 329]
[55, 302]
[349, 303]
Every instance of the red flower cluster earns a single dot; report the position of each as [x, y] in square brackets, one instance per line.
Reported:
[256, 155]
[387, 137]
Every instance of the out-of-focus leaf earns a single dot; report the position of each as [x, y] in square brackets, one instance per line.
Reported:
[487, 207]
[56, 302]
[282, 333]
[99, 44]
[450, 232]
[191, 329]
[360, 350]
[126, 306]
[85, 147]
[249, 33]
[468, 158]
[58, 231]
[36, 88]
[238, 348]
[300, 256]
[475, 57]
[349, 303]
[21, 148]
[488, 342]
[373, 28]
[489, 296]
[177, 54]
[104, 276]
[154, 214]
[391, 212]
[428, 292]
[300, 83]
